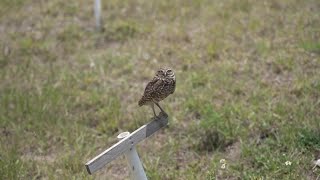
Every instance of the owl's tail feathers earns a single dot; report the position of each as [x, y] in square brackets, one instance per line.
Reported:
[141, 102]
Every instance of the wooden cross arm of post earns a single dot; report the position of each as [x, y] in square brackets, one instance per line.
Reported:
[125, 144]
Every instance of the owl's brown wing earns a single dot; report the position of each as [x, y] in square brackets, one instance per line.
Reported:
[173, 84]
[148, 92]
[152, 86]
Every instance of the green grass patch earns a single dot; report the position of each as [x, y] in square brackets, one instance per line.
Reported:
[311, 46]
[309, 138]
[8, 6]
[121, 31]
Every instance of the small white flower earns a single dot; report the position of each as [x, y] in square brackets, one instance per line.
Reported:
[222, 161]
[288, 163]
[92, 64]
[223, 166]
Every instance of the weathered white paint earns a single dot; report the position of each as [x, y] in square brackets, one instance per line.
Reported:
[135, 165]
[97, 13]
[128, 142]
[116, 150]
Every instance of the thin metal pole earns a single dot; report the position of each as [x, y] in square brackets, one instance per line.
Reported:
[97, 13]
[135, 166]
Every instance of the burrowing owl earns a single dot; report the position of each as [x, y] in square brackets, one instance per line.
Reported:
[161, 86]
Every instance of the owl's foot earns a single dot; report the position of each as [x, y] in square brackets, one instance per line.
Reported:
[155, 117]
[162, 111]
[163, 114]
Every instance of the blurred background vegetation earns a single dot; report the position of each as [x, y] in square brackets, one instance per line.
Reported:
[248, 87]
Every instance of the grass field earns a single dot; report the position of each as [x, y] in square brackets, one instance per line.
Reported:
[246, 106]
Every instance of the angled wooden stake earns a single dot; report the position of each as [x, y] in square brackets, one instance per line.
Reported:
[126, 143]
[97, 14]
[134, 163]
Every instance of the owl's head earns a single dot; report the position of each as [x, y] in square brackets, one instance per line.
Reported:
[165, 73]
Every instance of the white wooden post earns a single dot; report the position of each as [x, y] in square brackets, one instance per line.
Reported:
[97, 13]
[135, 166]
[127, 146]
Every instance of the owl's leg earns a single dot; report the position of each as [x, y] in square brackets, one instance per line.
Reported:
[154, 112]
[160, 108]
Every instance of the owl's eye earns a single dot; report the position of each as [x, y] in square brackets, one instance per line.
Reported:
[169, 71]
